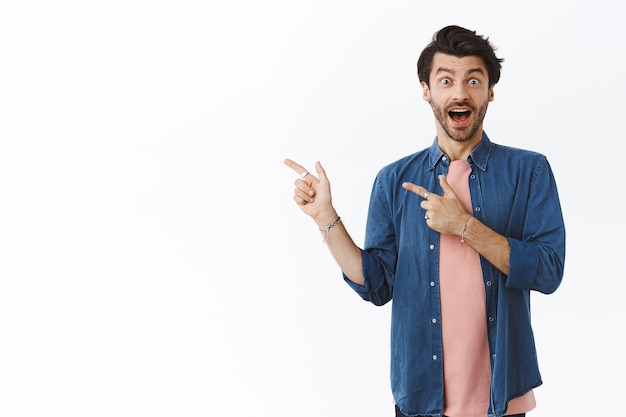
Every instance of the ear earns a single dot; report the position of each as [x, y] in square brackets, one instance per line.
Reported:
[491, 93]
[425, 91]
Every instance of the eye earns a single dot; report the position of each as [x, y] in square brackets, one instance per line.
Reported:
[446, 81]
[474, 81]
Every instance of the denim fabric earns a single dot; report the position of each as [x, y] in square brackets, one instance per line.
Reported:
[513, 191]
[401, 414]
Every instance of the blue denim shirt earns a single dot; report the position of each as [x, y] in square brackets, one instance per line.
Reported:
[513, 191]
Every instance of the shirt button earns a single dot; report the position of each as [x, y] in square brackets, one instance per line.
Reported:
[432, 283]
[490, 318]
[434, 321]
[472, 176]
[443, 158]
[489, 283]
[434, 357]
[432, 247]
[477, 209]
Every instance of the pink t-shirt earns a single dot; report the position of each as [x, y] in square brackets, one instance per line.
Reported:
[467, 371]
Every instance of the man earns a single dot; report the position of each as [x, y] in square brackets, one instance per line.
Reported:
[457, 235]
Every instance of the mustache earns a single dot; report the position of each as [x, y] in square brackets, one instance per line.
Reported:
[460, 104]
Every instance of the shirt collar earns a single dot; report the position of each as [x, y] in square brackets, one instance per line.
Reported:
[478, 157]
[480, 154]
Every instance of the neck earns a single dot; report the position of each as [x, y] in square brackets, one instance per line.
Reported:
[455, 149]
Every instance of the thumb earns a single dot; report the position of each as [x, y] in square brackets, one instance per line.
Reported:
[447, 190]
[321, 173]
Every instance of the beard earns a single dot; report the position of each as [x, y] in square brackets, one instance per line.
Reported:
[463, 134]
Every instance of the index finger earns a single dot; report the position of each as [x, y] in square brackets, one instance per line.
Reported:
[295, 166]
[417, 189]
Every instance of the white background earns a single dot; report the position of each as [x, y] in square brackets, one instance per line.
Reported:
[152, 262]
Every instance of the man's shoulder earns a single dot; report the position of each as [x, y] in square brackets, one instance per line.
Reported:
[506, 158]
[514, 152]
[411, 161]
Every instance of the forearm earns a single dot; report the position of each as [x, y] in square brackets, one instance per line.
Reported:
[343, 249]
[490, 245]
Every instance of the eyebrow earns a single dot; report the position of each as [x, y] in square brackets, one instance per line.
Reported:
[471, 71]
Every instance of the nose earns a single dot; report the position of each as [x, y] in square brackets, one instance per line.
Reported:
[460, 91]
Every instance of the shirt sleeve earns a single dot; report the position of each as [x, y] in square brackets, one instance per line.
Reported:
[379, 253]
[537, 259]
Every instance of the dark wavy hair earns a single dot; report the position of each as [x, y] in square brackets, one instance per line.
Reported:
[459, 42]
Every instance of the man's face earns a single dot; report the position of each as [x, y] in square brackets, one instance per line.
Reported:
[459, 94]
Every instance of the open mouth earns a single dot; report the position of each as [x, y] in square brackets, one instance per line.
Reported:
[459, 115]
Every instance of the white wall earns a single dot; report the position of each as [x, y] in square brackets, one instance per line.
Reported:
[152, 262]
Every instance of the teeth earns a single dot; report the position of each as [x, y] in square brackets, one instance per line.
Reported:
[458, 111]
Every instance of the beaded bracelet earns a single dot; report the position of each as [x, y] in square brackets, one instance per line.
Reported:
[463, 228]
[325, 229]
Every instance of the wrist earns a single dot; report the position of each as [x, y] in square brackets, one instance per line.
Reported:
[327, 226]
[464, 228]
[325, 218]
